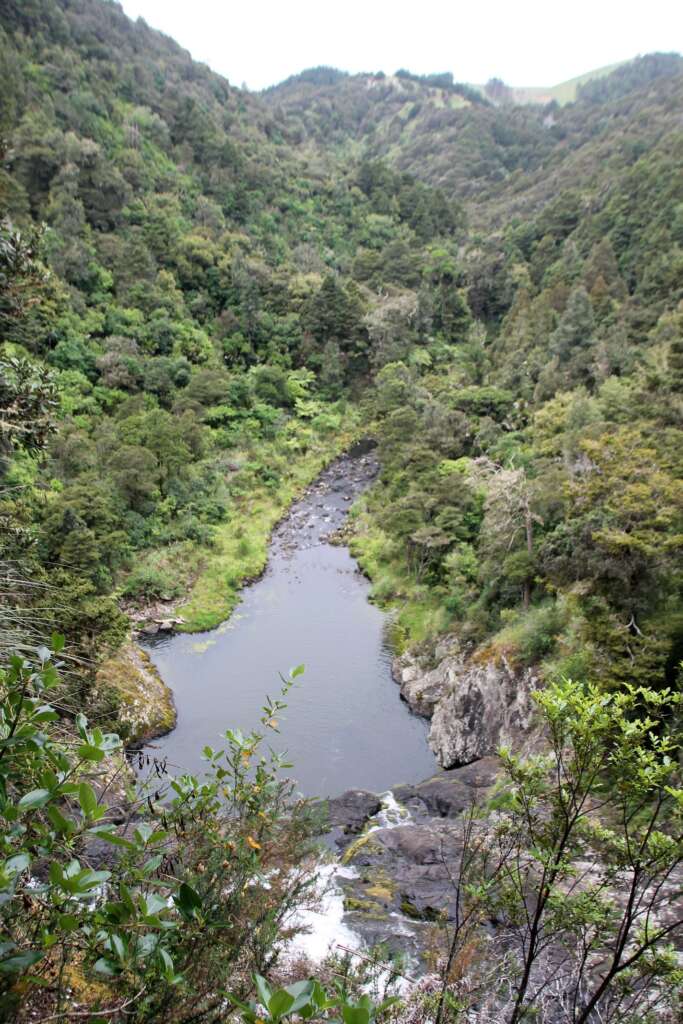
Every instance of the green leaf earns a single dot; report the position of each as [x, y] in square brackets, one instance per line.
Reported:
[355, 1015]
[56, 873]
[280, 1002]
[302, 992]
[44, 713]
[188, 901]
[86, 880]
[118, 946]
[263, 989]
[107, 967]
[15, 865]
[143, 832]
[298, 671]
[15, 964]
[87, 798]
[107, 833]
[88, 752]
[36, 798]
[58, 641]
[68, 922]
[153, 904]
[152, 864]
[59, 822]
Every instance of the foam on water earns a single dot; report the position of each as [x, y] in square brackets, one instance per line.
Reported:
[324, 926]
[390, 815]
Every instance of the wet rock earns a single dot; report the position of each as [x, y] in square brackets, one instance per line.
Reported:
[167, 625]
[451, 792]
[407, 854]
[417, 860]
[352, 810]
[145, 703]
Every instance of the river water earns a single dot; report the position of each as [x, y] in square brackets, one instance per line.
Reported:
[345, 726]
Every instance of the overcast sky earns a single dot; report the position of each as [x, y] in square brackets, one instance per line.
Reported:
[525, 42]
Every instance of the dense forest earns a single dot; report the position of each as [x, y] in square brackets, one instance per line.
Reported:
[206, 294]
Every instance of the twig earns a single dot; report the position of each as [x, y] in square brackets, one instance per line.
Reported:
[375, 963]
[93, 1013]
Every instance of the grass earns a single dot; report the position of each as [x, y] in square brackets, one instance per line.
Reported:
[419, 611]
[240, 550]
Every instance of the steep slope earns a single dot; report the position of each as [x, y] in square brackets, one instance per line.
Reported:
[476, 151]
[199, 317]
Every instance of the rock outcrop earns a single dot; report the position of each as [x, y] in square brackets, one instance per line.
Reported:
[349, 813]
[476, 705]
[145, 707]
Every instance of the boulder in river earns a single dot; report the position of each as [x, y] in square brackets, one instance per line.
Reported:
[404, 858]
[449, 793]
[352, 810]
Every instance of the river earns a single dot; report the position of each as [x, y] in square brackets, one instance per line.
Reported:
[345, 726]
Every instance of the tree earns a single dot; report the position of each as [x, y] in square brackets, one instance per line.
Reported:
[509, 514]
[390, 326]
[195, 892]
[28, 401]
[21, 279]
[580, 868]
[574, 333]
[623, 531]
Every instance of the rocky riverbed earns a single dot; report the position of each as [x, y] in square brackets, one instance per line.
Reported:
[397, 854]
[391, 880]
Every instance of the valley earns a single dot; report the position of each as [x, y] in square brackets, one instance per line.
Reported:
[379, 374]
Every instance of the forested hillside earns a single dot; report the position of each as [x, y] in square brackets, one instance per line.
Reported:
[206, 294]
[198, 315]
[531, 486]
[452, 136]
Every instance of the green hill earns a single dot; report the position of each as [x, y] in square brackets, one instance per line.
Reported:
[565, 92]
[205, 294]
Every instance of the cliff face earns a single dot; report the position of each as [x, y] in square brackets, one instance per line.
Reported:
[475, 706]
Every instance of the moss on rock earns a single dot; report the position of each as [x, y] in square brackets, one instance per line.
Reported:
[144, 704]
[366, 843]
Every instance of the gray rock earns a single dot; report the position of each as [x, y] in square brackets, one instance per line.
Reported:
[485, 707]
[450, 793]
[421, 690]
[415, 866]
[475, 706]
[352, 809]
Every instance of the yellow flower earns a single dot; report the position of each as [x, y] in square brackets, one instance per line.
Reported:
[252, 842]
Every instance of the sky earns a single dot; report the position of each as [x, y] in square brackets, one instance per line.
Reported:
[524, 42]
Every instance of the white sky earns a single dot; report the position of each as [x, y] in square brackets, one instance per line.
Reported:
[524, 42]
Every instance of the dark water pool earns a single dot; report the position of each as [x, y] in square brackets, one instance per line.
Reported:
[345, 726]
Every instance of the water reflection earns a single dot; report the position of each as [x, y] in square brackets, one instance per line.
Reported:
[345, 726]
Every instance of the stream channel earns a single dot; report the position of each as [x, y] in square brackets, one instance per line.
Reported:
[345, 726]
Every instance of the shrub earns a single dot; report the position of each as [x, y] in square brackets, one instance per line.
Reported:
[193, 897]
